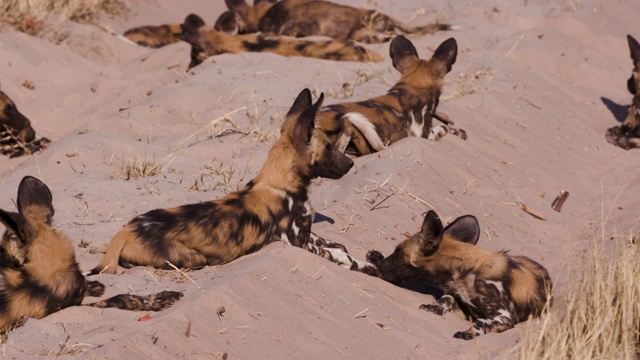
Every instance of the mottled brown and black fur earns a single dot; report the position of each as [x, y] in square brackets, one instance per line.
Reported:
[39, 274]
[627, 135]
[494, 289]
[206, 42]
[273, 206]
[17, 137]
[156, 36]
[364, 127]
[302, 18]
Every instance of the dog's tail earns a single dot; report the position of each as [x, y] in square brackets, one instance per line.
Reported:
[153, 302]
[425, 29]
[109, 263]
[434, 28]
[367, 129]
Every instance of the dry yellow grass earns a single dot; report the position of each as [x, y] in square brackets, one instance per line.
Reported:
[602, 317]
[31, 16]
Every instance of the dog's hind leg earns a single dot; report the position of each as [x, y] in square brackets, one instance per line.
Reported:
[338, 254]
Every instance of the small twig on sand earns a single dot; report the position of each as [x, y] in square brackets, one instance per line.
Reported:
[185, 275]
[530, 212]
[359, 315]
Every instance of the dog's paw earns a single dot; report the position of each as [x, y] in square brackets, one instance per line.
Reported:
[464, 335]
[375, 257]
[432, 308]
[371, 270]
[94, 288]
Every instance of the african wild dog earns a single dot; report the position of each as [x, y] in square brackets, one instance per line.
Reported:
[364, 127]
[206, 42]
[627, 135]
[494, 289]
[39, 274]
[302, 18]
[273, 206]
[158, 36]
[17, 137]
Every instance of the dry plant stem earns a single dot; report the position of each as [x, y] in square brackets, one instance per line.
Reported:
[212, 123]
[529, 211]
[185, 275]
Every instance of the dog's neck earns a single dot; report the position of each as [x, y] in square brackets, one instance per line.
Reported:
[282, 176]
[283, 170]
[409, 98]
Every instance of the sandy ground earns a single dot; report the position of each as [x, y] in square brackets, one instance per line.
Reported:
[535, 86]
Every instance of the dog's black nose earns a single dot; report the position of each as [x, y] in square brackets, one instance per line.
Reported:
[350, 162]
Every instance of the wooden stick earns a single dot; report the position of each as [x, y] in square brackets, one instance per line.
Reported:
[530, 212]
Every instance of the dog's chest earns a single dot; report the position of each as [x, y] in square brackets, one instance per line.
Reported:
[295, 226]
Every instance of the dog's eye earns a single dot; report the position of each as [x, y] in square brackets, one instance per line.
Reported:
[9, 109]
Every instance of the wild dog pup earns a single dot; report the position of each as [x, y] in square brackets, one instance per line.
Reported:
[158, 36]
[627, 135]
[38, 270]
[273, 206]
[302, 18]
[364, 127]
[206, 42]
[494, 289]
[17, 137]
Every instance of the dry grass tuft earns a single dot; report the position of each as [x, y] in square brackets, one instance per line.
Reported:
[135, 167]
[31, 16]
[602, 319]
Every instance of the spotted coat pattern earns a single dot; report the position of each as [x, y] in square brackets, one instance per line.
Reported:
[308, 18]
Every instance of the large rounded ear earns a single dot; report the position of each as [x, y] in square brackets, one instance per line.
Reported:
[301, 103]
[34, 194]
[430, 235]
[194, 21]
[634, 48]
[446, 53]
[464, 229]
[303, 129]
[191, 24]
[403, 53]
[234, 5]
[227, 23]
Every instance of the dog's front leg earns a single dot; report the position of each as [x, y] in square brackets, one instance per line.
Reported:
[338, 254]
[445, 304]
